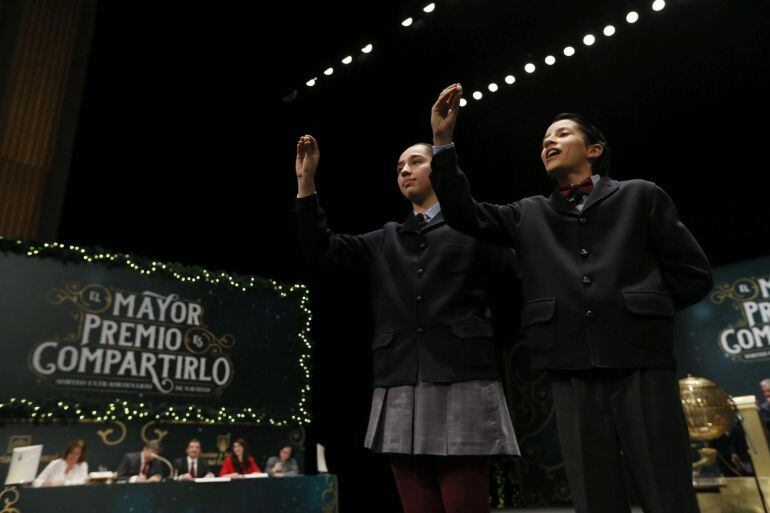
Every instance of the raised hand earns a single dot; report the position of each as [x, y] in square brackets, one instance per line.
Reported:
[443, 116]
[306, 165]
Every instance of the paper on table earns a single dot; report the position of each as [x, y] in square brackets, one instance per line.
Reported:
[211, 479]
[252, 476]
[321, 459]
[102, 475]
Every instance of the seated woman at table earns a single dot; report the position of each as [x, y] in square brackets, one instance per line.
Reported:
[239, 462]
[70, 469]
[283, 464]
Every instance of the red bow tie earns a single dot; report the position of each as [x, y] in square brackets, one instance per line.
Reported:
[572, 192]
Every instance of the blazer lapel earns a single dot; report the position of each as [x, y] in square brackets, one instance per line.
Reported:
[604, 189]
[435, 222]
[409, 225]
[560, 204]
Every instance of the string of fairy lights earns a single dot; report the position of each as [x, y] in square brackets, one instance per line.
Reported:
[19, 408]
[569, 50]
[408, 23]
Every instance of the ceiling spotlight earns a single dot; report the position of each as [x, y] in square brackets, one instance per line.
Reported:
[328, 71]
[550, 60]
[529, 67]
[463, 102]
[407, 22]
[632, 17]
[609, 30]
[368, 48]
[311, 82]
[569, 51]
[510, 79]
[477, 95]
[492, 87]
[347, 60]
[429, 8]
[589, 39]
[658, 5]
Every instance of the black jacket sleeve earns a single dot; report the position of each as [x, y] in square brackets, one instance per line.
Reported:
[321, 245]
[485, 221]
[685, 268]
[125, 469]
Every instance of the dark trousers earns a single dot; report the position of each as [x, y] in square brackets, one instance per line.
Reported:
[442, 484]
[601, 412]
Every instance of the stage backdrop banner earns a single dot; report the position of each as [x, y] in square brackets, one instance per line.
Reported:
[94, 335]
[726, 337]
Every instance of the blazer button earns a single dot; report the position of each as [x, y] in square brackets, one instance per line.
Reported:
[419, 299]
[582, 220]
[420, 331]
[587, 281]
[420, 270]
[590, 314]
[584, 253]
[423, 245]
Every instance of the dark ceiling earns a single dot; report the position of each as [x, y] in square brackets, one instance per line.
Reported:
[184, 149]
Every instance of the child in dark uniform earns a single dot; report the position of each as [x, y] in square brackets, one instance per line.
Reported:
[438, 408]
[604, 266]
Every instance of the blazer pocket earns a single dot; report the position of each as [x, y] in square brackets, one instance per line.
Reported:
[472, 329]
[649, 302]
[538, 324]
[537, 311]
[383, 339]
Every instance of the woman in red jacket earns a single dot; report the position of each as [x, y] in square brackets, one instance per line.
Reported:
[239, 462]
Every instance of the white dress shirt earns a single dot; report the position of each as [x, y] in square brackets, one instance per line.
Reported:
[56, 472]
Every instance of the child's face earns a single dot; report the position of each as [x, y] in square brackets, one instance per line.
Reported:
[565, 149]
[414, 172]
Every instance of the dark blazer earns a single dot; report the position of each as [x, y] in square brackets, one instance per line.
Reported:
[764, 412]
[431, 293]
[600, 287]
[201, 466]
[129, 466]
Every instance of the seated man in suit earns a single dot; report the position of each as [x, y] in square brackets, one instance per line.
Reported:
[192, 465]
[143, 466]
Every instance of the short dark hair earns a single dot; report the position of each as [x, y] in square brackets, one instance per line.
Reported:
[282, 446]
[601, 164]
[72, 446]
[193, 440]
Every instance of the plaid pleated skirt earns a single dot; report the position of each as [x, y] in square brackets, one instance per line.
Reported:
[468, 418]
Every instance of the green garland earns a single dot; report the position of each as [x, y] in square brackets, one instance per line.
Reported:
[497, 473]
[118, 409]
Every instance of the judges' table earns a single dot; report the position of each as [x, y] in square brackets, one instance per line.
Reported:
[300, 494]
